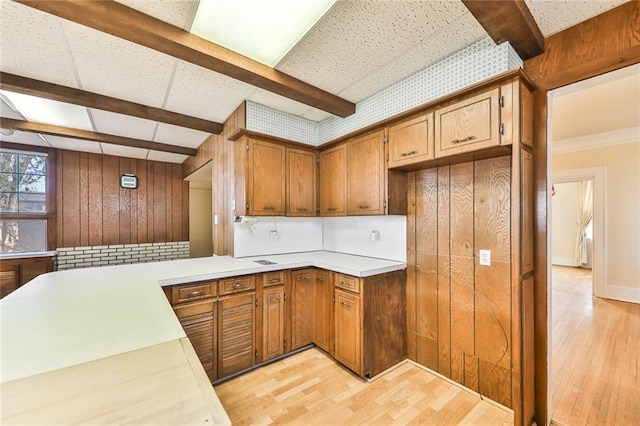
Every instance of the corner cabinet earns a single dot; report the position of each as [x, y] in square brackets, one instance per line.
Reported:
[266, 179]
[301, 308]
[370, 322]
[365, 175]
[301, 182]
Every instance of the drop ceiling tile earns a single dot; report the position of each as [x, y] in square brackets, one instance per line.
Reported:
[316, 115]
[278, 102]
[461, 33]
[555, 16]
[180, 136]
[123, 125]
[74, 144]
[178, 13]
[115, 67]
[124, 151]
[358, 37]
[199, 92]
[167, 157]
[26, 138]
[32, 45]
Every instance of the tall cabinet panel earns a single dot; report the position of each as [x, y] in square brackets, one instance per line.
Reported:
[301, 182]
[301, 308]
[333, 181]
[365, 175]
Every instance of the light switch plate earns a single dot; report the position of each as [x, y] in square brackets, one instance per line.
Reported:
[485, 257]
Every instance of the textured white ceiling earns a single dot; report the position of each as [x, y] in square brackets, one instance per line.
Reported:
[359, 48]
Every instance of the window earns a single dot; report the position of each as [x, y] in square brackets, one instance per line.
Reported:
[24, 205]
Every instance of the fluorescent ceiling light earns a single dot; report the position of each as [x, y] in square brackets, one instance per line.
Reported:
[41, 110]
[263, 30]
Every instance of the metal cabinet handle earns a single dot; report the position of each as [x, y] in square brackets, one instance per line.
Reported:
[363, 206]
[302, 209]
[467, 139]
[195, 293]
[346, 305]
[274, 280]
[268, 208]
[238, 285]
[274, 300]
[332, 209]
[303, 278]
[406, 154]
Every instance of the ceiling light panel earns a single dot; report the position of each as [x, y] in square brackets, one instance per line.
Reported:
[261, 30]
[118, 68]
[32, 45]
[46, 111]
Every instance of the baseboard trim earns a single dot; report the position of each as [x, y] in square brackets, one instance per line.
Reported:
[623, 294]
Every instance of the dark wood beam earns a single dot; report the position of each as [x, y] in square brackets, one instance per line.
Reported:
[67, 132]
[28, 86]
[121, 21]
[601, 44]
[509, 20]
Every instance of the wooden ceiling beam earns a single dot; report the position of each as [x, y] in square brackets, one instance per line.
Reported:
[67, 132]
[124, 22]
[509, 20]
[43, 89]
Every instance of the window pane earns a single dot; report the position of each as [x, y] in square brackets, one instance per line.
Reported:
[23, 235]
[8, 182]
[35, 164]
[32, 203]
[8, 162]
[33, 183]
[8, 201]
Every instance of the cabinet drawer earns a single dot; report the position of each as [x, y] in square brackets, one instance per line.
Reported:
[238, 284]
[273, 278]
[184, 293]
[195, 309]
[348, 283]
[468, 125]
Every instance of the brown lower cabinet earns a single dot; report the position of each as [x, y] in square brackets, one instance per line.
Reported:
[239, 322]
[18, 271]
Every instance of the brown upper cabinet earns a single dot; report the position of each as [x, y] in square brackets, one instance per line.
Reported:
[266, 179]
[365, 175]
[333, 181]
[411, 141]
[301, 182]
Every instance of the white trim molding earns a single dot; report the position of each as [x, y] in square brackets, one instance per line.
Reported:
[616, 137]
[624, 294]
[599, 177]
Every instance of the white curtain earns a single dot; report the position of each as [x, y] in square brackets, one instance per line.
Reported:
[585, 215]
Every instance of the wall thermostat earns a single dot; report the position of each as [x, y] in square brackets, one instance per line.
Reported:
[129, 181]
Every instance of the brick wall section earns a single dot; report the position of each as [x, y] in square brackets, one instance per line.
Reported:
[118, 254]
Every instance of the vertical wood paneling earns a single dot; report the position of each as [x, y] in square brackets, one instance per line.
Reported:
[95, 200]
[92, 209]
[444, 272]
[411, 266]
[426, 267]
[124, 214]
[84, 199]
[71, 198]
[110, 200]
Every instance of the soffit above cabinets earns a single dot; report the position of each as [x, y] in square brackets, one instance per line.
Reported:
[359, 48]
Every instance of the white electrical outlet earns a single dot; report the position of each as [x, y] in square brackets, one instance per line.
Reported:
[485, 257]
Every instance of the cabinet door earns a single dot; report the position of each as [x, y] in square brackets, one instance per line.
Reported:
[301, 308]
[198, 319]
[333, 182]
[468, 125]
[8, 278]
[301, 182]
[365, 175]
[272, 322]
[348, 330]
[322, 315]
[266, 183]
[411, 141]
[236, 330]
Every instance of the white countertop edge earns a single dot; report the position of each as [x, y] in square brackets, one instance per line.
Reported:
[27, 255]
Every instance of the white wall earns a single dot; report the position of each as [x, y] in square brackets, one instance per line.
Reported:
[200, 232]
[622, 164]
[564, 219]
[351, 235]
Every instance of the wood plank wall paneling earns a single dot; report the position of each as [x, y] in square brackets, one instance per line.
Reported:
[411, 266]
[94, 210]
[463, 310]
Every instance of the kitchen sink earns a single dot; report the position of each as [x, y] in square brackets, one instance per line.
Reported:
[265, 262]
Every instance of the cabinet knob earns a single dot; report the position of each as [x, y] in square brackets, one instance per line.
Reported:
[467, 139]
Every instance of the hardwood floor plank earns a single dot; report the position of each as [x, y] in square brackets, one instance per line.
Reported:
[309, 388]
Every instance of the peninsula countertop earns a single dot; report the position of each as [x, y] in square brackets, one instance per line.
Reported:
[63, 321]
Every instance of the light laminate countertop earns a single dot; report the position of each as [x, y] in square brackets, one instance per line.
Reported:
[66, 319]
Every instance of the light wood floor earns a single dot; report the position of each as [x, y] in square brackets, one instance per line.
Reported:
[595, 373]
[310, 388]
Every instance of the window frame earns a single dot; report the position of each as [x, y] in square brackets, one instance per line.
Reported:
[50, 189]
